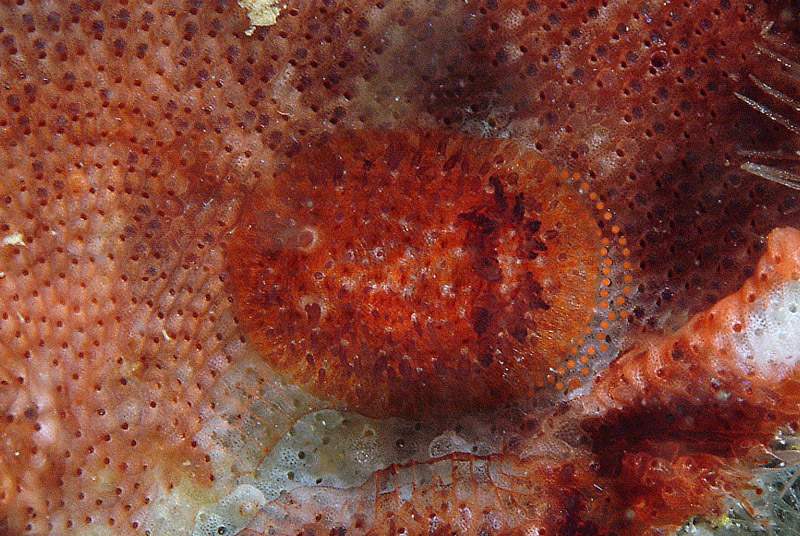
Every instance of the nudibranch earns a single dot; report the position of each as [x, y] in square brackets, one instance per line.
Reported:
[131, 399]
[668, 430]
[416, 273]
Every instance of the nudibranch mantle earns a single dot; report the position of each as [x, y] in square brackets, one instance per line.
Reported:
[415, 273]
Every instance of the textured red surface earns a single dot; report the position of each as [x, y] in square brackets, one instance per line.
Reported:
[670, 428]
[416, 274]
[133, 133]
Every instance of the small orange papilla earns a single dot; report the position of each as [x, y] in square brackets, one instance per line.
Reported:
[414, 273]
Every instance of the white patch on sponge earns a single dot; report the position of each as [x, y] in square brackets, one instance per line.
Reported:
[261, 12]
[231, 515]
[13, 239]
[343, 450]
[758, 327]
[769, 340]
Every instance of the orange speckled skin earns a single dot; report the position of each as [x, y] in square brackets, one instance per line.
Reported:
[403, 275]
[132, 133]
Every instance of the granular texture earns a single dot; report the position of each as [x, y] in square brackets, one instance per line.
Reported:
[132, 134]
[416, 274]
[669, 429]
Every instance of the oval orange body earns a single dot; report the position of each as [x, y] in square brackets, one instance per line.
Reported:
[414, 273]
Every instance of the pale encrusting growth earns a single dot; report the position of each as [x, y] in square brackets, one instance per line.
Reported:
[261, 12]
